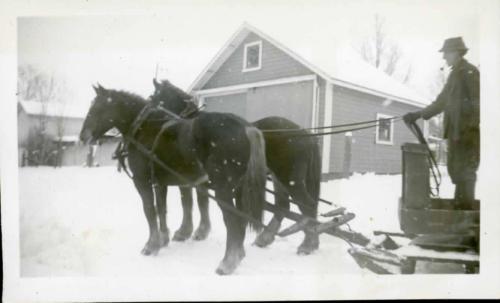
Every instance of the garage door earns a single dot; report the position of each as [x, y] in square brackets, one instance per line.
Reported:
[292, 101]
[234, 103]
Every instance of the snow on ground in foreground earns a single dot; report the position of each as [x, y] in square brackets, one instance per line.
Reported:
[78, 221]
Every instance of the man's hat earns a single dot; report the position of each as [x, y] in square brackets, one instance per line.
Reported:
[453, 44]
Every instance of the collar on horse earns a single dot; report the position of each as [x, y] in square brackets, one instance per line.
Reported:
[121, 152]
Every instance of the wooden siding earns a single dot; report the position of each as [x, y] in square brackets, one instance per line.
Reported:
[367, 156]
[275, 64]
[321, 108]
[321, 101]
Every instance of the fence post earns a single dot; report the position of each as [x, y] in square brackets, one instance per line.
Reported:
[346, 169]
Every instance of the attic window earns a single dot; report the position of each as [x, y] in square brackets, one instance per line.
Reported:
[252, 57]
[384, 130]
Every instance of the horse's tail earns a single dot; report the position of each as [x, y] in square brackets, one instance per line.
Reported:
[253, 186]
[313, 179]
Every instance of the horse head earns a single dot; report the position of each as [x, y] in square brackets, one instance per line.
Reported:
[170, 97]
[102, 116]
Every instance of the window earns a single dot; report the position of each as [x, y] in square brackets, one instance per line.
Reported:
[384, 130]
[252, 57]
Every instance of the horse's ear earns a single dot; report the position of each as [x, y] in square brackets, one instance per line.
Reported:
[155, 83]
[100, 87]
[96, 89]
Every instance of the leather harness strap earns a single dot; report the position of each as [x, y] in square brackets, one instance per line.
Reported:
[121, 151]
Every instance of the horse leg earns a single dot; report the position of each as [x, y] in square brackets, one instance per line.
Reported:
[241, 227]
[161, 205]
[203, 229]
[186, 229]
[309, 208]
[145, 190]
[266, 237]
[233, 254]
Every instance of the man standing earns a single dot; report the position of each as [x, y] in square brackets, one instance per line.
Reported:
[459, 100]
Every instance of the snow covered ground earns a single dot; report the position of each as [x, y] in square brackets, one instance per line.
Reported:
[77, 221]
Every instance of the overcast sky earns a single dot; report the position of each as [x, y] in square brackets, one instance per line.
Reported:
[122, 51]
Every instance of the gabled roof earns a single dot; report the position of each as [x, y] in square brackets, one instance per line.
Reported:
[321, 55]
[53, 109]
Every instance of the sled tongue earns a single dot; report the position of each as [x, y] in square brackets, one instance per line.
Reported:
[299, 226]
[335, 222]
[335, 212]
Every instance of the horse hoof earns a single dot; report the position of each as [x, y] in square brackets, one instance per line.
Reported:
[229, 264]
[304, 251]
[264, 239]
[201, 233]
[226, 268]
[307, 248]
[148, 251]
[182, 235]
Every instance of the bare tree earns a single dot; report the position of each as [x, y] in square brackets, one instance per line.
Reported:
[378, 50]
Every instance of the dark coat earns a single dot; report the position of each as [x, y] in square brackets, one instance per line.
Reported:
[459, 100]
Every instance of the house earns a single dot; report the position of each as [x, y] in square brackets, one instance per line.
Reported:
[255, 75]
[62, 125]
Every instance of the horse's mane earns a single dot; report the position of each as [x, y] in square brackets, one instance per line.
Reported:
[126, 96]
[185, 96]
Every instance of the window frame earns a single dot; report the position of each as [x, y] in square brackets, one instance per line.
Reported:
[245, 49]
[381, 141]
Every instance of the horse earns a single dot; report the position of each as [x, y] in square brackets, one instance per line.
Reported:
[293, 158]
[230, 158]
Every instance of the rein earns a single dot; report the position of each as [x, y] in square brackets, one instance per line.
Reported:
[330, 126]
[297, 132]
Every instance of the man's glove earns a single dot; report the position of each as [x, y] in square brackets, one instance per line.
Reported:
[412, 117]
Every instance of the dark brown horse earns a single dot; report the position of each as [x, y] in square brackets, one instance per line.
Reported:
[231, 158]
[294, 162]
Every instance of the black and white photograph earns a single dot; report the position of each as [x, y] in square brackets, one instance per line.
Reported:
[250, 150]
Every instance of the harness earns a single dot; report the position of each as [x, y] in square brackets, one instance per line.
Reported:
[121, 152]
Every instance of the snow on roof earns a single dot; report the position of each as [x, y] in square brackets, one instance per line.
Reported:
[320, 53]
[53, 109]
